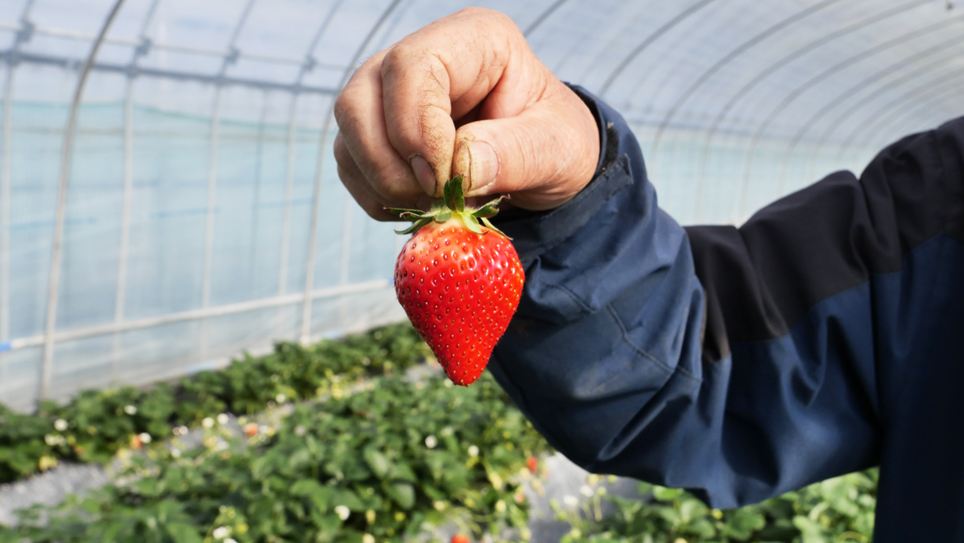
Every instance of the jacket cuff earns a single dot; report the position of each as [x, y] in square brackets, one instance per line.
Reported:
[535, 232]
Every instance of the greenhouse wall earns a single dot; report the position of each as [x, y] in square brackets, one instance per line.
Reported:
[202, 212]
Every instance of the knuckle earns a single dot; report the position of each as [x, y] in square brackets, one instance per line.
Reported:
[390, 186]
[395, 60]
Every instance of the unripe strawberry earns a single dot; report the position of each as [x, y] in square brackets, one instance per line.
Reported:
[459, 282]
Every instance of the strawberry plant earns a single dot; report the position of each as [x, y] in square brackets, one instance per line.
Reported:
[839, 509]
[96, 424]
[459, 282]
[387, 463]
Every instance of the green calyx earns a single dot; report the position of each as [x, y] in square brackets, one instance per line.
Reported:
[452, 205]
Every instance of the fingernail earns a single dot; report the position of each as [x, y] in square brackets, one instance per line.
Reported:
[479, 161]
[424, 174]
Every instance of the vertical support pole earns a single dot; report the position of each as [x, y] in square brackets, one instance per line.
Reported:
[316, 197]
[5, 218]
[5, 210]
[209, 218]
[53, 287]
[289, 190]
[255, 206]
[230, 58]
[211, 199]
[120, 294]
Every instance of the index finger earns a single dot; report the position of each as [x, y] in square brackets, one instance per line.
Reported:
[442, 72]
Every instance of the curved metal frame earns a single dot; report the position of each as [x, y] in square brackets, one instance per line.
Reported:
[906, 116]
[834, 125]
[291, 144]
[316, 197]
[728, 58]
[792, 96]
[21, 37]
[53, 289]
[541, 18]
[852, 91]
[658, 33]
[773, 68]
[892, 111]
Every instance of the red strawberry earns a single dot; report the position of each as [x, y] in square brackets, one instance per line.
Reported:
[532, 463]
[459, 282]
[459, 538]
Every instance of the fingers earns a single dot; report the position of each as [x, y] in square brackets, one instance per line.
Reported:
[464, 95]
[362, 148]
[543, 156]
[357, 185]
[444, 72]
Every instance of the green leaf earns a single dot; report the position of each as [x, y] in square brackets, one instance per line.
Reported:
[491, 226]
[415, 226]
[183, 533]
[488, 210]
[377, 461]
[743, 523]
[664, 494]
[472, 224]
[402, 493]
[349, 499]
[452, 193]
[399, 211]
[443, 216]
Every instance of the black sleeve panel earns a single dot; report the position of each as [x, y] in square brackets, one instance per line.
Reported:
[764, 277]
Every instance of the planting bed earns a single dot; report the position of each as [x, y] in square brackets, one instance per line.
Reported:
[353, 440]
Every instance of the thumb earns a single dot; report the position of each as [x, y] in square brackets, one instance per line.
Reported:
[542, 157]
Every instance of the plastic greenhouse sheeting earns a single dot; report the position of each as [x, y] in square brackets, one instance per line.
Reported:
[201, 212]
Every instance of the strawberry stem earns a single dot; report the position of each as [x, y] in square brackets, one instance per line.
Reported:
[452, 205]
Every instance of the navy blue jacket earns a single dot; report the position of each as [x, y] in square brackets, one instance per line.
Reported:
[824, 336]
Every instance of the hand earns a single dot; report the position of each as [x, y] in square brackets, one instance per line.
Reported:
[463, 95]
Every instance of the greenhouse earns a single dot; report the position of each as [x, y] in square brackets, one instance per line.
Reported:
[170, 202]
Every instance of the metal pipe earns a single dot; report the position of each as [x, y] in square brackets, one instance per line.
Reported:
[5, 210]
[666, 27]
[53, 289]
[200, 313]
[316, 197]
[255, 205]
[120, 294]
[125, 225]
[914, 122]
[541, 18]
[289, 191]
[793, 95]
[834, 125]
[886, 123]
[762, 75]
[853, 91]
[308, 65]
[84, 36]
[229, 58]
[5, 192]
[889, 109]
[32, 58]
[213, 159]
[723, 62]
[850, 92]
[211, 199]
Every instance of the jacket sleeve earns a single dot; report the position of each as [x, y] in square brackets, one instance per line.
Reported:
[736, 363]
